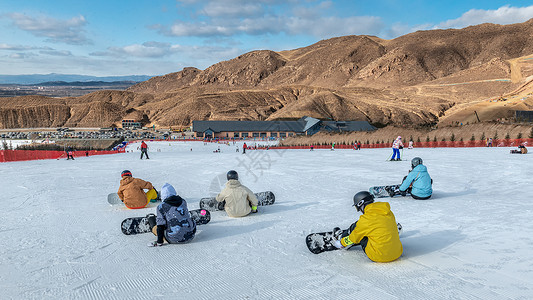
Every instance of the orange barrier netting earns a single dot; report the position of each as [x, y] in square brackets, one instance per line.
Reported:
[21, 155]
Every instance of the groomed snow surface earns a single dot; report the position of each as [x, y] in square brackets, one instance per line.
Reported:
[60, 239]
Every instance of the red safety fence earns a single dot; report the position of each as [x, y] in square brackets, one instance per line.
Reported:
[20, 155]
[441, 144]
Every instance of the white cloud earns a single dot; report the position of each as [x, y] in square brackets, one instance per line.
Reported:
[503, 15]
[56, 52]
[222, 9]
[4, 46]
[57, 31]
[22, 55]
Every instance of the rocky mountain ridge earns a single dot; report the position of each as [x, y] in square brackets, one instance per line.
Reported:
[419, 79]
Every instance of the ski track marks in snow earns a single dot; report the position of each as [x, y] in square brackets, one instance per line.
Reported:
[59, 238]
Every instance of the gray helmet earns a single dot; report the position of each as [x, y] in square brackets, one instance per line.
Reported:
[361, 199]
[416, 161]
[232, 174]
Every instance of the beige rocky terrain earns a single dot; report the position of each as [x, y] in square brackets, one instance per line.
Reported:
[419, 80]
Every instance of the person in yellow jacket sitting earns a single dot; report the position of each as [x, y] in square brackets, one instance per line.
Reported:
[131, 191]
[238, 200]
[376, 230]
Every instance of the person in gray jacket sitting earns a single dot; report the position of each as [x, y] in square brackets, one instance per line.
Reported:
[173, 222]
[238, 200]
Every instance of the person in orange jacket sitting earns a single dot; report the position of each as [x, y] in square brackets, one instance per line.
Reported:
[131, 191]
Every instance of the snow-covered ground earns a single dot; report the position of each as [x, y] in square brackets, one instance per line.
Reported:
[60, 239]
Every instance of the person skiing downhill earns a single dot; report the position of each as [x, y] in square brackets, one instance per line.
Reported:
[131, 191]
[376, 230]
[396, 146]
[144, 150]
[238, 200]
[173, 222]
[417, 182]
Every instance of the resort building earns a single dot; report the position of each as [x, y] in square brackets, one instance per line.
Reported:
[273, 129]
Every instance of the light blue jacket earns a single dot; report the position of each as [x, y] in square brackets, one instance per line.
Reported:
[421, 181]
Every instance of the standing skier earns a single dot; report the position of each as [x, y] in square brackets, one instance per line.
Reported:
[244, 148]
[173, 222]
[238, 200]
[376, 230]
[144, 150]
[417, 182]
[131, 191]
[396, 146]
[70, 153]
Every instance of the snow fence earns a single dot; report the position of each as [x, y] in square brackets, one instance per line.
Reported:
[20, 155]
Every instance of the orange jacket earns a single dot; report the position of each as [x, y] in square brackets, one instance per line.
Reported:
[131, 192]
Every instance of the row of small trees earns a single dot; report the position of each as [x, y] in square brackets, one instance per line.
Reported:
[452, 138]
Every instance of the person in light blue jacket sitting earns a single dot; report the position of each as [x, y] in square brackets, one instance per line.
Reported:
[417, 182]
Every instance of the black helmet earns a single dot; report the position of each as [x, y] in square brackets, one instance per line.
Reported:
[232, 174]
[361, 199]
[125, 173]
[416, 161]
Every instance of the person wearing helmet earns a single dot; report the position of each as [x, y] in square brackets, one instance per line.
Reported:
[417, 182]
[396, 146]
[376, 230]
[131, 191]
[238, 200]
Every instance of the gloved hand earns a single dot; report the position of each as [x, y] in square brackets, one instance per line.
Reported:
[254, 209]
[155, 244]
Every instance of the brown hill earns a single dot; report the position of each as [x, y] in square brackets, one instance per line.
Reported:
[420, 79]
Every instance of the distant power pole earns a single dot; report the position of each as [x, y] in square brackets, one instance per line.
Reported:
[477, 116]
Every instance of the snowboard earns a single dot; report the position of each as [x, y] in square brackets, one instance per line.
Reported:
[323, 241]
[113, 198]
[140, 224]
[385, 190]
[211, 204]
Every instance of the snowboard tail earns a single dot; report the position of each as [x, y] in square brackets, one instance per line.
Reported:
[211, 203]
[385, 190]
[139, 225]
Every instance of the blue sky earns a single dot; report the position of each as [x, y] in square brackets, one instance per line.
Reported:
[141, 37]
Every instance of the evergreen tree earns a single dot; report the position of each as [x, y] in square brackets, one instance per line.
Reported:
[483, 136]
[452, 138]
[473, 138]
[435, 138]
[507, 136]
[519, 136]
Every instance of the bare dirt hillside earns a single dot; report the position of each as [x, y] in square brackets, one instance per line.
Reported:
[422, 79]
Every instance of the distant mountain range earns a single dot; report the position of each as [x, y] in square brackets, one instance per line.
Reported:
[39, 78]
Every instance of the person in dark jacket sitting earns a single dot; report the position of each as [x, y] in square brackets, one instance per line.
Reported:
[173, 222]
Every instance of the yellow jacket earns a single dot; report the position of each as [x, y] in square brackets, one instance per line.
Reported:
[379, 225]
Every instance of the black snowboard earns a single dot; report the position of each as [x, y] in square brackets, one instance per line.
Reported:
[323, 241]
[320, 242]
[211, 204]
[385, 191]
[140, 224]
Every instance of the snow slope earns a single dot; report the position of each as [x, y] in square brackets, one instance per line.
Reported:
[59, 239]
